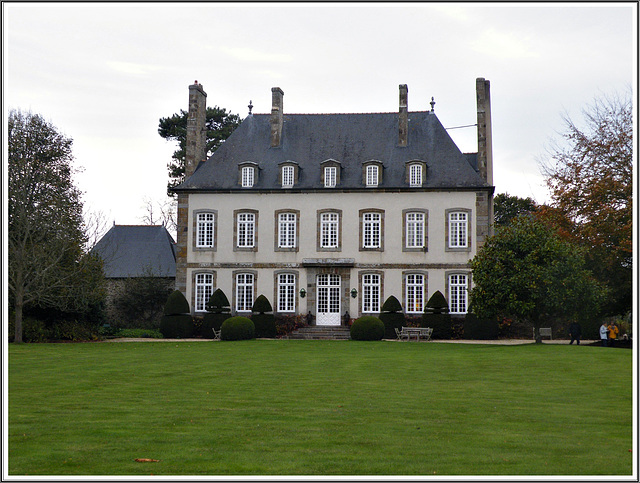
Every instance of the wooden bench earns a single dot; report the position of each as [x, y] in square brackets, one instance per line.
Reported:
[417, 331]
[544, 332]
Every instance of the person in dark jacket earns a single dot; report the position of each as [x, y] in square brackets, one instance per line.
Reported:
[575, 331]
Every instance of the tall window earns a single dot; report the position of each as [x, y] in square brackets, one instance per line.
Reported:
[415, 293]
[330, 175]
[203, 290]
[372, 175]
[415, 175]
[287, 230]
[371, 230]
[415, 230]
[246, 230]
[371, 293]
[244, 292]
[329, 230]
[458, 226]
[458, 294]
[247, 177]
[286, 292]
[204, 230]
[287, 176]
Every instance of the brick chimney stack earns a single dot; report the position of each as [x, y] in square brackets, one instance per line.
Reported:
[485, 151]
[403, 116]
[276, 116]
[196, 149]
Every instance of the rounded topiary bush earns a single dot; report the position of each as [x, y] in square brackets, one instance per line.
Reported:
[367, 327]
[392, 317]
[238, 328]
[176, 304]
[265, 323]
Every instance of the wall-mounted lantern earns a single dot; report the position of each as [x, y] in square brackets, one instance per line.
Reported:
[303, 293]
[354, 293]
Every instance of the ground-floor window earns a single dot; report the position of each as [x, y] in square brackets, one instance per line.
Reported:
[203, 290]
[458, 294]
[286, 292]
[244, 292]
[370, 293]
[414, 293]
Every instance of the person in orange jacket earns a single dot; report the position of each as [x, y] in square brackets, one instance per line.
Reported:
[613, 333]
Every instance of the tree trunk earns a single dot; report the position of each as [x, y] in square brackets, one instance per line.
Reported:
[18, 322]
[537, 332]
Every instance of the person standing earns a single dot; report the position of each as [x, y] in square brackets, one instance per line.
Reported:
[604, 334]
[575, 331]
[613, 333]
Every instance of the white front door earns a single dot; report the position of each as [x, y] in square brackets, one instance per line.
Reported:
[328, 309]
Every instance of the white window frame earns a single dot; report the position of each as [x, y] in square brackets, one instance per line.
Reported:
[205, 230]
[329, 229]
[458, 229]
[244, 291]
[246, 230]
[248, 176]
[371, 230]
[288, 173]
[286, 292]
[415, 175]
[414, 293]
[372, 175]
[371, 293]
[203, 288]
[287, 230]
[330, 176]
[458, 293]
[414, 224]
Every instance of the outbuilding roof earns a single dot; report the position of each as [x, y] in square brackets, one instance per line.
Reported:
[137, 251]
[350, 139]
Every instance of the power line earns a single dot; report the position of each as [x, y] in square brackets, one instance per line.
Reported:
[460, 127]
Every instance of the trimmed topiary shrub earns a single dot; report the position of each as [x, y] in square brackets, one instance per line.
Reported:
[265, 323]
[238, 328]
[367, 327]
[436, 315]
[479, 329]
[176, 304]
[177, 322]
[218, 308]
[392, 317]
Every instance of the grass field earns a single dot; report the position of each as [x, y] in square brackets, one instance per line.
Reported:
[319, 408]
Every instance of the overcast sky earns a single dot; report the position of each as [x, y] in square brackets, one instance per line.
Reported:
[105, 73]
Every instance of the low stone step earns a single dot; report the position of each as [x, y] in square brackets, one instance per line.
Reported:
[315, 332]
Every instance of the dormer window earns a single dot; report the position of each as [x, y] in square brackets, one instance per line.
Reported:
[330, 176]
[248, 173]
[288, 174]
[372, 173]
[416, 171]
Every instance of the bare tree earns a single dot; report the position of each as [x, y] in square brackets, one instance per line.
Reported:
[161, 213]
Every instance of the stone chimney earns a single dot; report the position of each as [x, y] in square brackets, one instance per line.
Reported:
[196, 149]
[276, 116]
[485, 151]
[403, 116]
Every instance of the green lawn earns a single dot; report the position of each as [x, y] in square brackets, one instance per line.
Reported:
[319, 408]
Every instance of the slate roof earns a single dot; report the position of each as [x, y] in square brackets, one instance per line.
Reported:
[137, 251]
[351, 139]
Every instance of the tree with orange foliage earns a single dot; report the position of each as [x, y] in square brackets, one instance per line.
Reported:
[590, 179]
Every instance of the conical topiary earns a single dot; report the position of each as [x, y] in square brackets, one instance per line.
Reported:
[261, 305]
[176, 304]
[264, 322]
[392, 317]
[218, 303]
[392, 304]
[437, 304]
[436, 315]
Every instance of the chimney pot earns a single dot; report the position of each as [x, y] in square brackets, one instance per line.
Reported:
[485, 150]
[276, 116]
[403, 116]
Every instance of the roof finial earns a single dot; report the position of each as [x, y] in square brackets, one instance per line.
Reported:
[433, 103]
[250, 106]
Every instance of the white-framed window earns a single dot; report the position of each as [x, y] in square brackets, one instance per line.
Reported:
[372, 175]
[287, 230]
[415, 175]
[458, 227]
[414, 293]
[371, 229]
[244, 292]
[458, 294]
[286, 292]
[247, 176]
[287, 176]
[205, 223]
[203, 290]
[371, 293]
[246, 230]
[415, 230]
[330, 176]
[329, 230]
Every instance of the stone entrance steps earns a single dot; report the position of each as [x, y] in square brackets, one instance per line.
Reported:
[316, 332]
